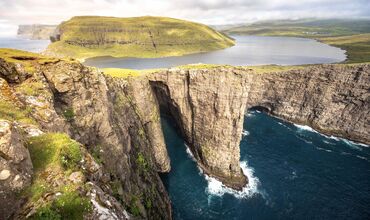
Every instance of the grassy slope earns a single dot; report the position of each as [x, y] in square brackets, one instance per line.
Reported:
[350, 35]
[87, 36]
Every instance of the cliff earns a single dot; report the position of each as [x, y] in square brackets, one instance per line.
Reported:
[208, 105]
[121, 142]
[36, 31]
[68, 131]
[91, 36]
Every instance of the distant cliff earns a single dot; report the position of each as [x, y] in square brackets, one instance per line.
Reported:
[36, 31]
[70, 133]
[90, 36]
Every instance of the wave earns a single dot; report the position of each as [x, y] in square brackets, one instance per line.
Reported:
[217, 188]
[327, 150]
[354, 144]
[245, 133]
[305, 128]
[348, 142]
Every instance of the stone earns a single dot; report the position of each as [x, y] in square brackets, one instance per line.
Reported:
[4, 174]
[77, 177]
[15, 165]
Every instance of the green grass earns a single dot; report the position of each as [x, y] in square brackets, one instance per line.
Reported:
[357, 46]
[9, 111]
[55, 155]
[124, 73]
[28, 60]
[121, 73]
[91, 36]
[54, 149]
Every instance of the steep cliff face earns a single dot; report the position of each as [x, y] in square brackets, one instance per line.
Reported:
[333, 99]
[110, 118]
[208, 106]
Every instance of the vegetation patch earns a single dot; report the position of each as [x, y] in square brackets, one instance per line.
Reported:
[54, 157]
[69, 114]
[54, 149]
[11, 112]
[121, 73]
[141, 162]
[28, 60]
[92, 36]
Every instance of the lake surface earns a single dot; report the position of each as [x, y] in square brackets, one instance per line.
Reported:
[24, 44]
[295, 173]
[249, 50]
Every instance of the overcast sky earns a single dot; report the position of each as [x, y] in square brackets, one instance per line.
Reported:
[14, 12]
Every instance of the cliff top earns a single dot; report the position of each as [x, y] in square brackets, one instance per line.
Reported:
[90, 36]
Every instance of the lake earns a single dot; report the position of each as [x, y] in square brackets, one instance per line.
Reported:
[294, 173]
[249, 50]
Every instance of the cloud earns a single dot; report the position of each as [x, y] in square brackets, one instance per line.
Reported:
[16, 12]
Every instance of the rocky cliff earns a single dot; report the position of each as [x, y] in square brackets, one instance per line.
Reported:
[68, 131]
[116, 122]
[333, 99]
[36, 31]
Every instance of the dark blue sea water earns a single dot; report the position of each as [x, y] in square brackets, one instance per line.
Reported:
[296, 173]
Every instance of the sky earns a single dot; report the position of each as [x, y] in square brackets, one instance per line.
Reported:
[212, 12]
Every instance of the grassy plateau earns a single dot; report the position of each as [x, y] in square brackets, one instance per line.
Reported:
[91, 36]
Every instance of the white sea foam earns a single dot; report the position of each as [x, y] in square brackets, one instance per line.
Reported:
[348, 142]
[361, 157]
[327, 150]
[305, 128]
[354, 144]
[245, 133]
[216, 188]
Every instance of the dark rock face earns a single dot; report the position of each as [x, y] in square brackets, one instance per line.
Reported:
[208, 106]
[117, 118]
[120, 118]
[333, 99]
[15, 167]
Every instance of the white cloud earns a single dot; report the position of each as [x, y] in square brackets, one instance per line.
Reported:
[14, 12]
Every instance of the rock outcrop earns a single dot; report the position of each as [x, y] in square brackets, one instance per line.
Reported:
[15, 167]
[208, 106]
[115, 120]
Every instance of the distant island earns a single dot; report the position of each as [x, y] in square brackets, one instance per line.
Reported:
[92, 36]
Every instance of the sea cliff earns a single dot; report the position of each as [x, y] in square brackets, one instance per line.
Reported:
[103, 134]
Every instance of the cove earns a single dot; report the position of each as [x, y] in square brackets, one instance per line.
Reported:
[249, 50]
[299, 174]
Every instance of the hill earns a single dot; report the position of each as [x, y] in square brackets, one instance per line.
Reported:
[352, 35]
[91, 36]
